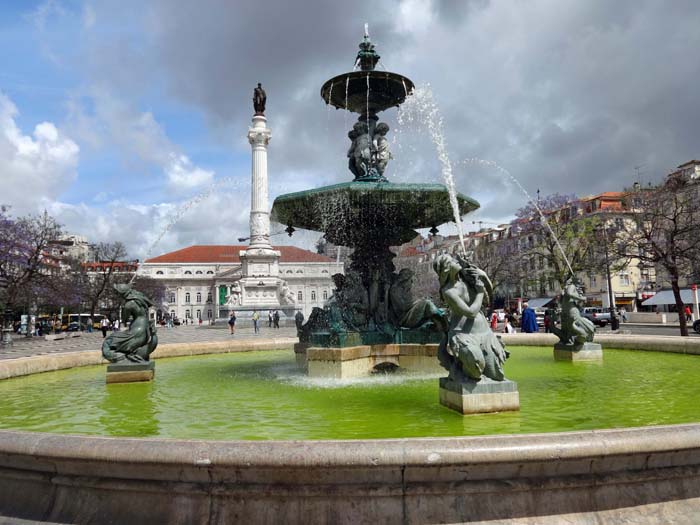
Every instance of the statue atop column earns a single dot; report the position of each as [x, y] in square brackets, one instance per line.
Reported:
[259, 99]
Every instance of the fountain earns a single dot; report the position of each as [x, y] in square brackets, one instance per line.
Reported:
[245, 437]
[373, 312]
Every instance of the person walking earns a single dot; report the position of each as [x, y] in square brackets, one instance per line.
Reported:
[232, 323]
[528, 322]
[276, 319]
[89, 325]
[494, 321]
[547, 323]
[104, 326]
[269, 319]
[256, 318]
[688, 314]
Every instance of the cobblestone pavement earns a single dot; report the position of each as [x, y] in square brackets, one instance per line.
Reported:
[24, 346]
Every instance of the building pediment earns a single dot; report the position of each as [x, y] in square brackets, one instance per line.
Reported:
[233, 274]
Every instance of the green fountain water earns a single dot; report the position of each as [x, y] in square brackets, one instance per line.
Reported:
[263, 396]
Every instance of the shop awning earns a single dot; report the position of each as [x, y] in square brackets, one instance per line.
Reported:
[539, 302]
[666, 297]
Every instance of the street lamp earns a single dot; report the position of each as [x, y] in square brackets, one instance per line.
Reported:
[7, 328]
[614, 322]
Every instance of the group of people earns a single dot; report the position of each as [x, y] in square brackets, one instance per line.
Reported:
[528, 321]
[273, 320]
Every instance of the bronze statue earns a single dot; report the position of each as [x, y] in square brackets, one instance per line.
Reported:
[140, 340]
[470, 349]
[575, 329]
[407, 312]
[259, 99]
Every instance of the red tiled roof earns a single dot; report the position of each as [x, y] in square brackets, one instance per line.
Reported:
[219, 253]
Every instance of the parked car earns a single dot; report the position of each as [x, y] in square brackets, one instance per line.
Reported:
[75, 327]
[176, 321]
[598, 316]
[696, 326]
[539, 315]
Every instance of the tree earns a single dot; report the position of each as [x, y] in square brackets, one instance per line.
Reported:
[99, 281]
[25, 264]
[666, 233]
[561, 243]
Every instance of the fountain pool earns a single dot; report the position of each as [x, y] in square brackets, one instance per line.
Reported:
[264, 396]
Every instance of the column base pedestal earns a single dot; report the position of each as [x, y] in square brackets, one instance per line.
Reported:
[575, 353]
[479, 397]
[130, 372]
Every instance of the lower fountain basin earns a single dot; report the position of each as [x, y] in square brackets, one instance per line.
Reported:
[347, 211]
[636, 475]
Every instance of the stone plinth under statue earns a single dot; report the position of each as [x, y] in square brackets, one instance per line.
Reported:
[128, 372]
[582, 352]
[486, 395]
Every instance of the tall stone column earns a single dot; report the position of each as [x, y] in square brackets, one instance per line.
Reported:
[260, 283]
[259, 137]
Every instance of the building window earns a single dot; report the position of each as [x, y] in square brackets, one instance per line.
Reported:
[594, 281]
[300, 296]
[187, 272]
[624, 279]
[159, 272]
[325, 294]
[172, 297]
[187, 297]
[199, 297]
[172, 314]
[209, 272]
[313, 295]
[198, 272]
[199, 314]
[209, 297]
[208, 314]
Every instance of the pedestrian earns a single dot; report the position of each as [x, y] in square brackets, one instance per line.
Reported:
[547, 323]
[104, 325]
[688, 313]
[89, 325]
[256, 317]
[276, 319]
[115, 325]
[528, 321]
[494, 321]
[269, 319]
[200, 321]
[623, 314]
[232, 323]
[507, 326]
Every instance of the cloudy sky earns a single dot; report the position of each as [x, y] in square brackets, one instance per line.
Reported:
[127, 120]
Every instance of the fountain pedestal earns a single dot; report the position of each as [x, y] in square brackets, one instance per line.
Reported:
[128, 372]
[362, 360]
[479, 397]
[581, 352]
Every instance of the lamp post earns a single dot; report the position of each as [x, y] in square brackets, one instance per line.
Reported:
[7, 328]
[614, 322]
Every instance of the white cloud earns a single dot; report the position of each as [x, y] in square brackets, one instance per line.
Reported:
[89, 16]
[138, 135]
[33, 167]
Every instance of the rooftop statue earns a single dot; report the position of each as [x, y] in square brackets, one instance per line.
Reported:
[470, 349]
[140, 340]
[575, 329]
[259, 100]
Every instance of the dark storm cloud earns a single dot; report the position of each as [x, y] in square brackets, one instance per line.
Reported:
[568, 95]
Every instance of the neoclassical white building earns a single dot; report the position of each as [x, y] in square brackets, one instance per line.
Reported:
[204, 281]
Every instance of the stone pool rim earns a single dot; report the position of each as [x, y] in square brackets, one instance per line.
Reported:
[611, 474]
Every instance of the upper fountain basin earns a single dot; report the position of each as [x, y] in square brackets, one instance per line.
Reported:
[346, 212]
[349, 91]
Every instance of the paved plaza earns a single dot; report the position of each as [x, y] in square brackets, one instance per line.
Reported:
[29, 346]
